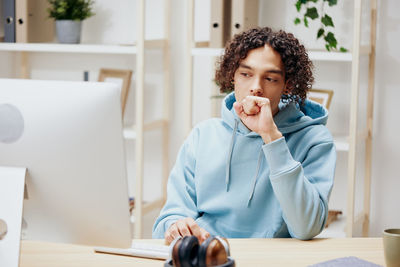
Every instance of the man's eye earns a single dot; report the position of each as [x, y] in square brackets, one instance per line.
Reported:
[245, 74]
[270, 79]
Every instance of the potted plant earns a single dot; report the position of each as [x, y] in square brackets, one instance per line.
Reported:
[325, 31]
[69, 15]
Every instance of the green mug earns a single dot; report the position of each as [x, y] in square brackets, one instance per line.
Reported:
[391, 247]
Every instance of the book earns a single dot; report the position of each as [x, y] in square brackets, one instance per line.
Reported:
[8, 19]
[244, 15]
[32, 22]
[220, 22]
[1, 23]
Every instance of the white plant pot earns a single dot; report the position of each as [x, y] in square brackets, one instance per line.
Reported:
[69, 31]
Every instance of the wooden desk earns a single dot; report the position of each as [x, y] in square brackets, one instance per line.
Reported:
[246, 252]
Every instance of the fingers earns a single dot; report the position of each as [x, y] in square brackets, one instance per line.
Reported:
[238, 108]
[204, 235]
[194, 227]
[185, 227]
[257, 100]
[251, 105]
[171, 234]
[197, 231]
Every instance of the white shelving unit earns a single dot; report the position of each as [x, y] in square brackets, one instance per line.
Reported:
[135, 132]
[343, 143]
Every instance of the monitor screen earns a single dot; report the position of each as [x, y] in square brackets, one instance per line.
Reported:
[69, 137]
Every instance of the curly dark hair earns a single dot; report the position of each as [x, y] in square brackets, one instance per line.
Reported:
[298, 67]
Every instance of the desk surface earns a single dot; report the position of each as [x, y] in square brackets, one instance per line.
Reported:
[246, 252]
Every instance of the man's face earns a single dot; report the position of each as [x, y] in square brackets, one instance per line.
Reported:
[261, 73]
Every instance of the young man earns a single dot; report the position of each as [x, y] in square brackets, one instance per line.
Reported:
[266, 168]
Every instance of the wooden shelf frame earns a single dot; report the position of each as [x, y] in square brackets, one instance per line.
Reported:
[352, 158]
[140, 208]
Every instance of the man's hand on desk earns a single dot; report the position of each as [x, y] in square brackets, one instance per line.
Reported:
[185, 227]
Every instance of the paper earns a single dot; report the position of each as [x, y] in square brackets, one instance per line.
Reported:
[346, 261]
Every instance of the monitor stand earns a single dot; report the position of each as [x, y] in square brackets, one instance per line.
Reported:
[12, 185]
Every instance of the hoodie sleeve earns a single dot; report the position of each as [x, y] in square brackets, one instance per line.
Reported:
[302, 189]
[181, 201]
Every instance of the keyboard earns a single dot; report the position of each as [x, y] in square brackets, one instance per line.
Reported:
[138, 249]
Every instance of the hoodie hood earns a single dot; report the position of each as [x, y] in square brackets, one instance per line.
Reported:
[290, 118]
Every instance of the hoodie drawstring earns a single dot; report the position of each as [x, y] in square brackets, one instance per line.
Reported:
[228, 163]
[255, 177]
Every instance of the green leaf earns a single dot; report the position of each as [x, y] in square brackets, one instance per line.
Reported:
[313, 1]
[342, 49]
[70, 9]
[328, 47]
[327, 21]
[332, 2]
[298, 5]
[330, 38]
[320, 33]
[305, 21]
[297, 21]
[312, 13]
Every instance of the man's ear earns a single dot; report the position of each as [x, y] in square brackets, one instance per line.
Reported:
[288, 87]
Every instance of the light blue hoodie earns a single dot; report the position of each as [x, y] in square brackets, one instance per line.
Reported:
[236, 186]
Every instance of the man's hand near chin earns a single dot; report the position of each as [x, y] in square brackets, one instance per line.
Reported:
[255, 112]
[185, 227]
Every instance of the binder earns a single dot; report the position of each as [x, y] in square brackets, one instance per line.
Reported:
[32, 22]
[220, 22]
[9, 20]
[244, 15]
[1, 22]
[21, 13]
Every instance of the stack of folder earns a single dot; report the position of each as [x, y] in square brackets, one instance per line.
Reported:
[26, 21]
[229, 17]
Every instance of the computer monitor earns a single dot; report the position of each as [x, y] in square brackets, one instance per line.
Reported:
[69, 137]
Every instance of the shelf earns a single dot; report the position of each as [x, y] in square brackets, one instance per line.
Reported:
[314, 55]
[335, 230]
[155, 204]
[205, 51]
[341, 143]
[69, 48]
[330, 56]
[79, 48]
[129, 132]
[149, 206]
